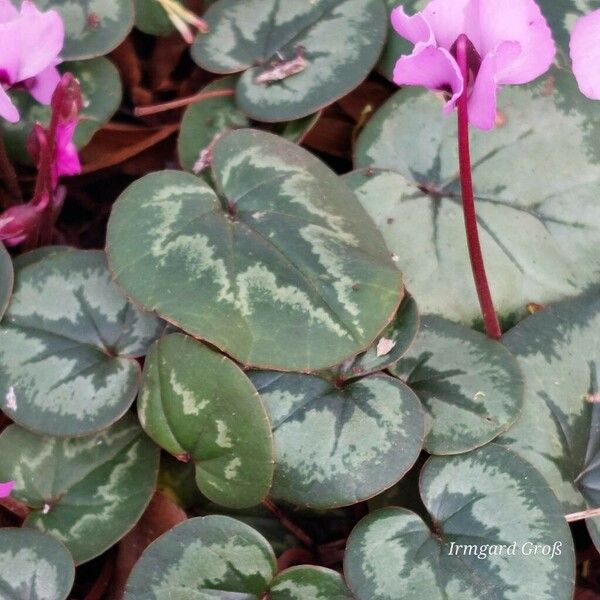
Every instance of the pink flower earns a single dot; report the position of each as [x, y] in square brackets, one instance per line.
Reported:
[585, 54]
[511, 43]
[6, 489]
[30, 42]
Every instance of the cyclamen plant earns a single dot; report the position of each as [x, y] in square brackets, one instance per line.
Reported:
[274, 326]
[468, 49]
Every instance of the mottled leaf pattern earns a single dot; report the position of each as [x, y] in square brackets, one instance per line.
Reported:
[203, 123]
[101, 92]
[559, 430]
[390, 346]
[470, 385]
[340, 40]
[199, 404]
[486, 497]
[309, 583]
[335, 447]
[34, 565]
[87, 492]
[68, 344]
[539, 225]
[93, 27]
[297, 260]
[6, 279]
[204, 559]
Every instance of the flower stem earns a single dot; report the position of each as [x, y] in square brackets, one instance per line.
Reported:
[490, 319]
[144, 111]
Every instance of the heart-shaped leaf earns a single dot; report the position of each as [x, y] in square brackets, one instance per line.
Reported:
[559, 430]
[309, 583]
[291, 256]
[471, 386]
[205, 122]
[539, 225]
[101, 92]
[6, 279]
[93, 27]
[88, 491]
[390, 346]
[204, 558]
[68, 343]
[34, 565]
[336, 447]
[199, 405]
[296, 57]
[489, 511]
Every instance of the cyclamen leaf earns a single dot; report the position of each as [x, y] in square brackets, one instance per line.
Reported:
[101, 91]
[471, 386]
[338, 42]
[152, 18]
[68, 343]
[559, 430]
[6, 279]
[297, 260]
[335, 447]
[539, 226]
[93, 27]
[34, 565]
[391, 345]
[204, 558]
[309, 583]
[198, 404]
[485, 498]
[88, 491]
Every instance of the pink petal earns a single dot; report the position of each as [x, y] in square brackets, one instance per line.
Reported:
[42, 86]
[6, 489]
[67, 159]
[8, 110]
[8, 11]
[412, 28]
[48, 31]
[433, 68]
[585, 54]
[489, 23]
[482, 100]
[447, 19]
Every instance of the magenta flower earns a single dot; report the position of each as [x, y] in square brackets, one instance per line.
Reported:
[30, 42]
[6, 489]
[510, 43]
[585, 54]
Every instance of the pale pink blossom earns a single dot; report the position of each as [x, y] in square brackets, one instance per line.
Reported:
[585, 54]
[510, 43]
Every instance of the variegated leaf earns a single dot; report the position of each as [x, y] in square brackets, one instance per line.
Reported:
[296, 57]
[68, 343]
[559, 430]
[93, 27]
[34, 565]
[471, 386]
[289, 255]
[204, 559]
[87, 491]
[484, 506]
[101, 92]
[205, 122]
[6, 279]
[309, 583]
[539, 226]
[390, 346]
[336, 447]
[199, 405]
